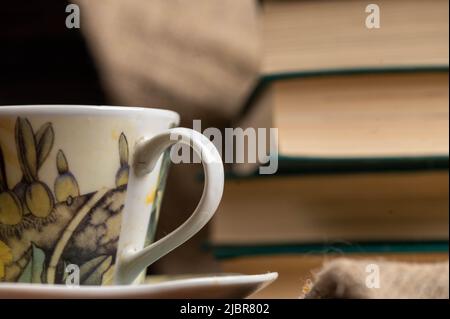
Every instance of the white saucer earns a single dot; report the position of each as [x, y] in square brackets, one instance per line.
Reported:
[211, 287]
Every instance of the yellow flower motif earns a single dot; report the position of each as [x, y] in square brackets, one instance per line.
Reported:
[5, 258]
[150, 197]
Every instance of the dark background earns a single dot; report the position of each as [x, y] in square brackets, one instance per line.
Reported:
[41, 61]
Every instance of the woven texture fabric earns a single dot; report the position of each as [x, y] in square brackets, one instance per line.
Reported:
[374, 279]
[199, 57]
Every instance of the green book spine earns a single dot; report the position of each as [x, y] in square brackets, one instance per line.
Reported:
[231, 251]
[297, 166]
[266, 79]
[311, 165]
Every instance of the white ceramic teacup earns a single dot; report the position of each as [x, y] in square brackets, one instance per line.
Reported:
[80, 190]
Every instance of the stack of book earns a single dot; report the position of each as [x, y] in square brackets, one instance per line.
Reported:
[363, 139]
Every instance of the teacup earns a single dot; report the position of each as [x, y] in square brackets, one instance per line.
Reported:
[81, 187]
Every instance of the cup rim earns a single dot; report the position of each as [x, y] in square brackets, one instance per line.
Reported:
[92, 110]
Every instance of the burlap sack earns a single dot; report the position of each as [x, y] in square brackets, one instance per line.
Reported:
[196, 57]
[375, 279]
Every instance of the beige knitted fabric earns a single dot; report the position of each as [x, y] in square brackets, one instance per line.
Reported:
[196, 57]
[375, 279]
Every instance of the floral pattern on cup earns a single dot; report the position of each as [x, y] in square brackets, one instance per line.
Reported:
[43, 230]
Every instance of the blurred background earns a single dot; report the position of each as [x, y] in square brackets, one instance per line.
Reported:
[361, 109]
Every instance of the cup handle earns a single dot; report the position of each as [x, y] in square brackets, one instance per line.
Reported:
[133, 261]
